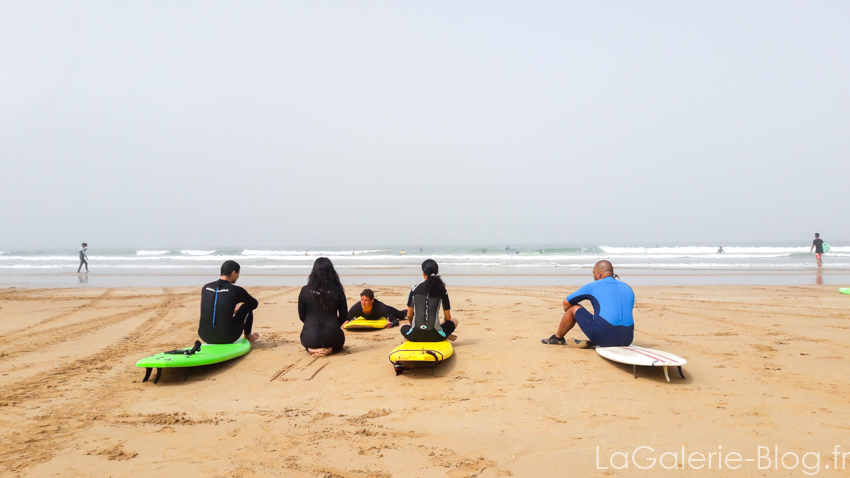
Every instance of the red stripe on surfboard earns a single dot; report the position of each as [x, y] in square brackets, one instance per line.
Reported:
[647, 354]
[658, 356]
[658, 353]
[655, 352]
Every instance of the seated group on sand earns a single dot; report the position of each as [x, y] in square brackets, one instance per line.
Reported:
[227, 310]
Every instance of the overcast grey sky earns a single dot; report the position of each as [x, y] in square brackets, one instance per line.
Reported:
[249, 124]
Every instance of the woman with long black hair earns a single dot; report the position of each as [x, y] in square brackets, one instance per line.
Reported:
[322, 308]
[423, 308]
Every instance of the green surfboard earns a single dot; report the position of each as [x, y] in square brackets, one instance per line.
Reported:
[207, 355]
[844, 290]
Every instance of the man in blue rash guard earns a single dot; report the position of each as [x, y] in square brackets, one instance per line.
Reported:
[227, 310]
[611, 323]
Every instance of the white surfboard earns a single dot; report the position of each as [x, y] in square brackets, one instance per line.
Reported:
[634, 356]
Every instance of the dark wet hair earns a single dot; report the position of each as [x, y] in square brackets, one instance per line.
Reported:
[324, 282]
[817, 235]
[434, 284]
[229, 267]
[84, 244]
[368, 293]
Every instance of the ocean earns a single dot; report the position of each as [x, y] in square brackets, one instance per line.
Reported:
[526, 265]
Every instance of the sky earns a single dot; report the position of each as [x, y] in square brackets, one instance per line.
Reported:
[274, 124]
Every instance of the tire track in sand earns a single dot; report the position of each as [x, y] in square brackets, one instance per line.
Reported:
[24, 342]
[42, 436]
[61, 315]
[39, 438]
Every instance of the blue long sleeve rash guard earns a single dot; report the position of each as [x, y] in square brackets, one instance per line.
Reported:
[612, 300]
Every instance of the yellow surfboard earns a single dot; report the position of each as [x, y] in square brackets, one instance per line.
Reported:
[411, 355]
[364, 323]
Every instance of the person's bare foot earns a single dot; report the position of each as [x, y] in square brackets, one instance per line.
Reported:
[253, 337]
[323, 352]
[452, 337]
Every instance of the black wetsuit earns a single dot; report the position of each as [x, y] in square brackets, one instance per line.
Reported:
[322, 327]
[426, 321]
[818, 243]
[379, 310]
[218, 323]
[84, 260]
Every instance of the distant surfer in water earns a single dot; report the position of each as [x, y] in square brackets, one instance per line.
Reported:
[371, 308]
[84, 260]
[322, 308]
[721, 251]
[611, 323]
[227, 310]
[817, 245]
[423, 308]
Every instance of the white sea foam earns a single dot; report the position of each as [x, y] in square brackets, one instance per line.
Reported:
[795, 258]
[309, 253]
[701, 250]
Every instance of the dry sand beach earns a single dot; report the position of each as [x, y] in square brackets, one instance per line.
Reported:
[767, 367]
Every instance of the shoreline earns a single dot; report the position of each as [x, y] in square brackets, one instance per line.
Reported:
[401, 276]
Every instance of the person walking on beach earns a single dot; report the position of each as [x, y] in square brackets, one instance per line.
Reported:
[322, 308]
[227, 310]
[611, 323]
[423, 308]
[84, 260]
[817, 245]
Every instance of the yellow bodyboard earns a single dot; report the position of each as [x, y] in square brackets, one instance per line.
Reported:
[422, 352]
[364, 323]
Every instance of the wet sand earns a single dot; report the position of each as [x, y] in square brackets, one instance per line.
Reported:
[767, 367]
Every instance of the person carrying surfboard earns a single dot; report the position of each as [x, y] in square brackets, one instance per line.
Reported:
[611, 323]
[423, 308]
[817, 245]
[371, 308]
[227, 310]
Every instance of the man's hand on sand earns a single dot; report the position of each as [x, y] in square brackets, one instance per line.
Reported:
[252, 337]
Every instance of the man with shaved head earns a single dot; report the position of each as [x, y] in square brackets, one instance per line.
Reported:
[611, 323]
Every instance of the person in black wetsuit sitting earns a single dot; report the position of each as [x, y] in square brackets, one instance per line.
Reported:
[371, 308]
[423, 308]
[322, 308]
[227, 310]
